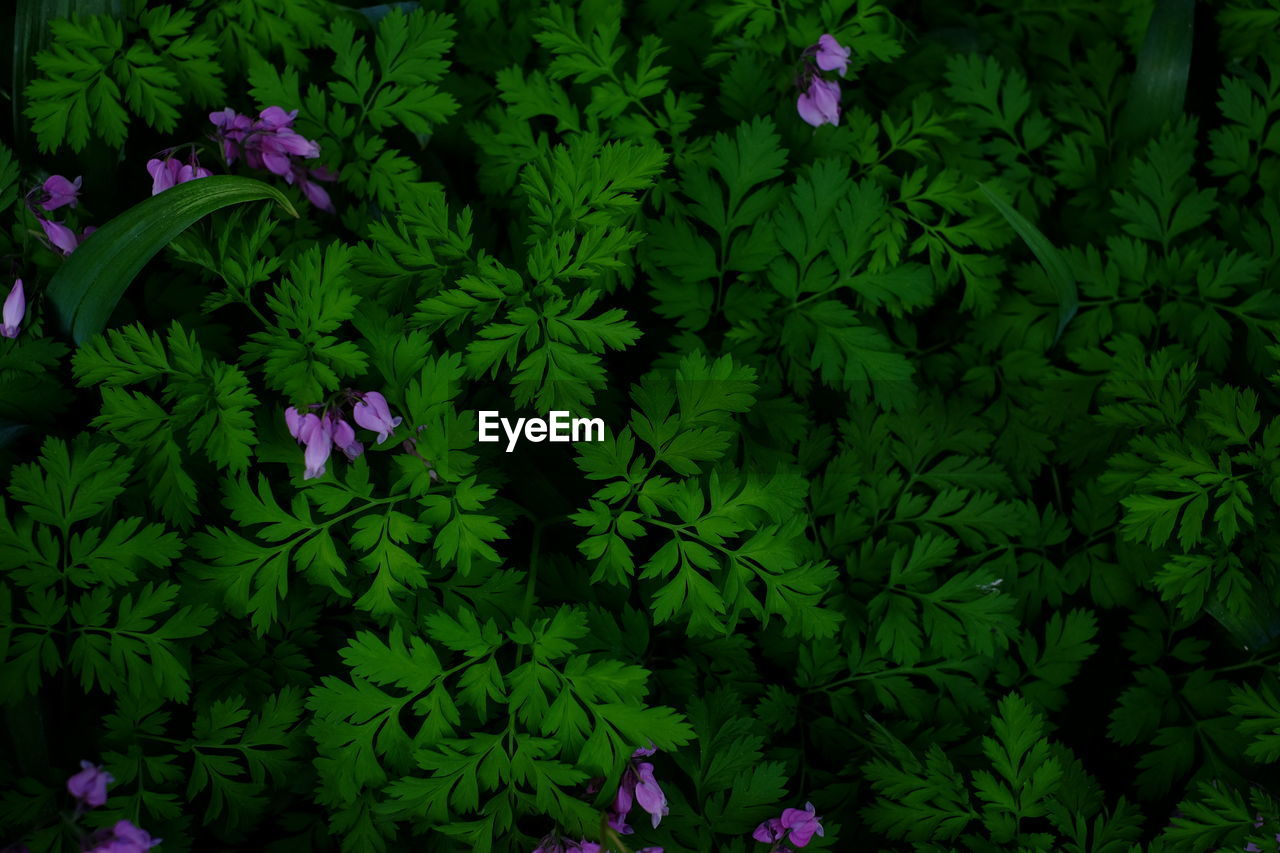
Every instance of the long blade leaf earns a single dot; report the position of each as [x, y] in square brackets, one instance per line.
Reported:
[1159, 84]
[87, 288]
[1055, 266]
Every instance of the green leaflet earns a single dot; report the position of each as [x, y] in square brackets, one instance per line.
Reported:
[85, 291]
[31, 34]
[1055, 266]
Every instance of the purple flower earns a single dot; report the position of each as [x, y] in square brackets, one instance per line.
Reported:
[649, 793]
[803, 824]
[293, 419]
[622, 803]
[170, 172]
[15, 305]
[125, 838]
[317, 434]
[769, 831]
[820, 104]
[344, 436]
[62, 237]
[315, 193]
[89, 786]
[59, 191]
[372, 413]
[271, 143]
[830, 55]
[273, 118]
[232, 128]
[638, 786]
[280, 147]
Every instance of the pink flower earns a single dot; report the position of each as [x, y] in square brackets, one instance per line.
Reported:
[62, 237]
[271, 143]
[232, 127]
[769, 831]
[830, 55]
[170, 172]
[317, 434]
[649, 793]
[820, 104]
[796, 826]
[315, 193]
[89, 786]
[124, 837]
[638, 785]
[293, 419]
[273, 118]
[59, 191]
[372, 413]
[344, 436]
[15, 306]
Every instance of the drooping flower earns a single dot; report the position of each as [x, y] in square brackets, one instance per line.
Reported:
[802, 823]
[169, 171]
[830, 55]
[819, 104]
[769, 831]
[232, 128]
[372, 413]
[344, 436]
[649, 793]
[62, 237]
[638, 785]
[280, 147]
[796, 826]
[317, 434]
[89, 786]
[15, 306]
[271, 143]
[274, 118]
[293, 419]
[124, 837]
[316, 194]
[59, 191]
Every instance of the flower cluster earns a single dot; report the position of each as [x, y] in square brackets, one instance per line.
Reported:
[54, 193]
[271, 143]
[819, 101]
[795, 826]
[15, 307]
[89, 787]
[168, 171]
[320, 433]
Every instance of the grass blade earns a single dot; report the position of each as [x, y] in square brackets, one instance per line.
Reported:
[1055, 266]
[1159, 85]
[87, 288]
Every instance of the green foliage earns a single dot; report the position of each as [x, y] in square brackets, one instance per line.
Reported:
[940, 467]
[98, 71]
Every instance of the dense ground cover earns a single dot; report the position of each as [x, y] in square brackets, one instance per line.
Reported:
[936, 346]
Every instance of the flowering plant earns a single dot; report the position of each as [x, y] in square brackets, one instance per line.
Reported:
[935, 346]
